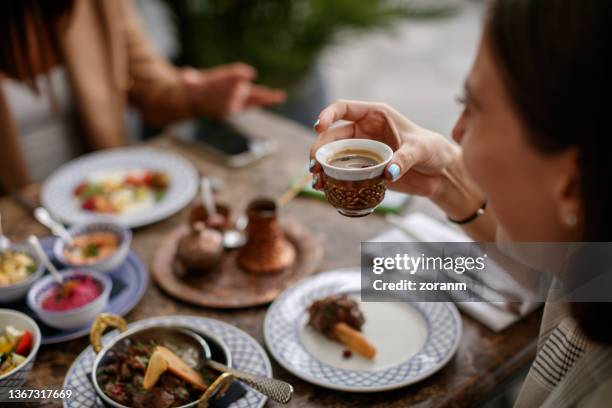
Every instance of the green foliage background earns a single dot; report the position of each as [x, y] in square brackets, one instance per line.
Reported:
[282, 38]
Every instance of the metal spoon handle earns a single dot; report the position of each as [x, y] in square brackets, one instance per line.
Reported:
[5, 243]
[207, 196]
[35, 244]
[276, 390]
[42, 215]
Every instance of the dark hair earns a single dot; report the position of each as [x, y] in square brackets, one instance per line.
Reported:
[25, 27]
[556, 60]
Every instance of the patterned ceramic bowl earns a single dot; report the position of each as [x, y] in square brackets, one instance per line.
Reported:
[195, 351]
[107, 264]
[72, 318]
[18, 290]
[18, 376]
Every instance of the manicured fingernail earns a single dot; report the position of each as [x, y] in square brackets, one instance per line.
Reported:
[315, 181]
[311, 164]
[394, 171]
[316, 124]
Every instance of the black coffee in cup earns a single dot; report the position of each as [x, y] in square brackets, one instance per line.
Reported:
[355, 159]
[354, 174]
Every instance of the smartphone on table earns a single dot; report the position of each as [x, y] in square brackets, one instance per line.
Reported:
[224, 141]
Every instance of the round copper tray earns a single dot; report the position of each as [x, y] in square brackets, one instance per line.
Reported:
[228, 286]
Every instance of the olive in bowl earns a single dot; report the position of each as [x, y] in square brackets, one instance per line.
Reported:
[102, 246]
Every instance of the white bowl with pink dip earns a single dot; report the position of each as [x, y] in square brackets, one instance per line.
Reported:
[88, 298]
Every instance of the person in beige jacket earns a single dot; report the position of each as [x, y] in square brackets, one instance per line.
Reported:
[108, 63]
[531, 164]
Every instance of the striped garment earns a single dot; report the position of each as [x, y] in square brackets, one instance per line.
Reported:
[558, 354]
[568, 371]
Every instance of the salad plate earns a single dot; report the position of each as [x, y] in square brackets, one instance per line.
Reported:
[133, 186]
[413, 340]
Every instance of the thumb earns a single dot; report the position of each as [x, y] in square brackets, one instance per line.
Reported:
[402, 161]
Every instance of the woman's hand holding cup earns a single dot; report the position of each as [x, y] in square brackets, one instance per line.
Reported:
[420, 156]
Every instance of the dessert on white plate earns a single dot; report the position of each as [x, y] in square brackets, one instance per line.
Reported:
[389, 344]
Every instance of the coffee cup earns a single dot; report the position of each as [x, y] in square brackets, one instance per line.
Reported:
[353, 174]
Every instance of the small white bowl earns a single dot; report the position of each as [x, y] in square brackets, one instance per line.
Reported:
[18, 290]
[107, 264]
[16, 378]
[73, 318]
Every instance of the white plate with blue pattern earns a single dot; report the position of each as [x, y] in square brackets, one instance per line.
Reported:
[413, 340]
[245, 353]
[57, 193]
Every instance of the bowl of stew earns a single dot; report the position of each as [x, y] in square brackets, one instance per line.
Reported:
[102, 246]
[84, 295]
[19, 269]
[119, 367]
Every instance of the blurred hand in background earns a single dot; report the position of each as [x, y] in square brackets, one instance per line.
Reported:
[223, 90]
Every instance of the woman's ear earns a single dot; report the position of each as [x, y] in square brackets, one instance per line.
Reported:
[568, 189]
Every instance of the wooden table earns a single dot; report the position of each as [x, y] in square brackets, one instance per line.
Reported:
[484, 359]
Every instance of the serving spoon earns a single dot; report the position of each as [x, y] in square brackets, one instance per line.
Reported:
[5, 243]
[235, 237]
[232, 237]
[208, 200]
[35, 244]
[165, 360]
[277, 390]
[44, 217]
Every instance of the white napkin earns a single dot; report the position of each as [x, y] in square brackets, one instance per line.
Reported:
[424, 228]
